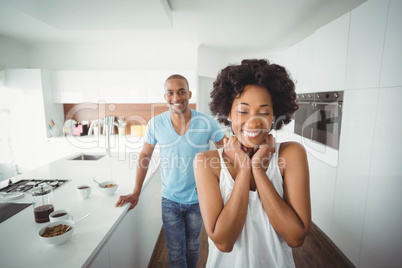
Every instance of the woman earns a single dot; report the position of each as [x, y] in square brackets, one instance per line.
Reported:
[254, 194]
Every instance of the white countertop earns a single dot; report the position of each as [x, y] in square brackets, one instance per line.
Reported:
[20, 245]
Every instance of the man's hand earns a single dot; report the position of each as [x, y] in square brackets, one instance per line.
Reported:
[262, 157]
[132, 198]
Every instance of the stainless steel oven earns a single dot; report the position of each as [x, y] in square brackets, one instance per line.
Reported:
[319, 117]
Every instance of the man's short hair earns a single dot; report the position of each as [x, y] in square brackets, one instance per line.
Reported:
[178, 76]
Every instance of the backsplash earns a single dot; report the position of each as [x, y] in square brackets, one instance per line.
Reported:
[132, 114]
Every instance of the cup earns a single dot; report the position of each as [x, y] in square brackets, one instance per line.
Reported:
[61, 214]
[84, 190]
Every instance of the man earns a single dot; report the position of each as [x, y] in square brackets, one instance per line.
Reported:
[181, 134]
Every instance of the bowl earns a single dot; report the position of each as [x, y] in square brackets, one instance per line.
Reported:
[59, 239]
[108, 190]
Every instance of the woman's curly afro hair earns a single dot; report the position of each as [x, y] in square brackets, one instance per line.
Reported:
[232, 79]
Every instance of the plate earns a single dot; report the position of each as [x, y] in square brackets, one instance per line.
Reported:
[69, 125]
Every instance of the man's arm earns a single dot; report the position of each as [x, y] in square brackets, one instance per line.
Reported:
[142, 169]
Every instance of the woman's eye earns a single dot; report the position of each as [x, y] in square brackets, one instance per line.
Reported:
[242, 112]
[264, 113]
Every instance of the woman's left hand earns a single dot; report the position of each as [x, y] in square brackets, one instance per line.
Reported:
[262, 157]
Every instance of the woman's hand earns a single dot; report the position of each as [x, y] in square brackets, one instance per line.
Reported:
[262, 157]
[232, 149]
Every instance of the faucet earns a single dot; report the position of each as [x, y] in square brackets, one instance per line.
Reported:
[108, 129]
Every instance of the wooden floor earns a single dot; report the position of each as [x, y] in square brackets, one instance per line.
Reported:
[317, 251]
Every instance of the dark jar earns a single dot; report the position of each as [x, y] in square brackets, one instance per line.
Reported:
[42, 197]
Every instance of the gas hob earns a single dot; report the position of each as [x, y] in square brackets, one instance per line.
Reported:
[27, 185]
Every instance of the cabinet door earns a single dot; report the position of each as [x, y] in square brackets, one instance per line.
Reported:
[101, 260]
[306, 65]
[75, 86]
[355, 159]
[392, 59]
[365, 48]
[383, 211]
[331, 44]
[322, 188]
[122, 86]
[132, 243]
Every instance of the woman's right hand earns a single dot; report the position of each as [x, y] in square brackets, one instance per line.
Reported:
[132, 198]
[232, 149]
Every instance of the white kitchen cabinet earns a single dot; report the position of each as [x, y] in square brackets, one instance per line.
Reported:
[133, 241]
[306, 65]
[383, 212]
[75, 86]
[331, 43]
[322, 190]
[355, 150]
[102, 259]
[365, 48]
[122, 86]
[392, 57]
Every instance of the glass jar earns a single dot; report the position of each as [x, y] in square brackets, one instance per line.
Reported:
[42, 197]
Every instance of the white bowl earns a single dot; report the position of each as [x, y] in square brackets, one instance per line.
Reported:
[60, 239]
[109, 190]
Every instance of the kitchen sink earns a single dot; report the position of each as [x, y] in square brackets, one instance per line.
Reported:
[87, 157]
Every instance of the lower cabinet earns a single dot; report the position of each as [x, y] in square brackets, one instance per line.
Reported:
[102, 259]
[132, 242]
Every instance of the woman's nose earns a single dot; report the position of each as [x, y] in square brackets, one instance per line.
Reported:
[256, 122]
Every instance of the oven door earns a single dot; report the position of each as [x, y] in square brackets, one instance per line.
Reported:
[305, 119]
[328, 123]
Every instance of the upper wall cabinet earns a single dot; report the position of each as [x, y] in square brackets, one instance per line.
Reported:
[75, 86]
[306, 65]
[331, 42]
[127, 86]
[122, 86]
[365, 48]
[321, 58]
[392, 59]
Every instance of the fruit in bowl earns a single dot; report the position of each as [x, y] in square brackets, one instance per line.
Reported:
[57, 232]
[108, 187]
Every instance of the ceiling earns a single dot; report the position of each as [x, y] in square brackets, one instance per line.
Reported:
[230, 25]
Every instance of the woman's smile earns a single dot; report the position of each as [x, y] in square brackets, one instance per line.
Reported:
[252, 134]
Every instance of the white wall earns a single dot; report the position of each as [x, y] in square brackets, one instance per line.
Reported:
[357, 202]
[205, 86]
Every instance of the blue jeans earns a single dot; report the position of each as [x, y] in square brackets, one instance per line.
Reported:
[182, 226]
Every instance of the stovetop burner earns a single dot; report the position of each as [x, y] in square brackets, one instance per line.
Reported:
[27, 185]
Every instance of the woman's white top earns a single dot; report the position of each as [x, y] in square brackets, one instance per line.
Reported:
[258, 245]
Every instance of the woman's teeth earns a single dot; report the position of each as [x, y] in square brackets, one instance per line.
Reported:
[251, 134]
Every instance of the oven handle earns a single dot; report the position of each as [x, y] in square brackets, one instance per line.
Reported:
[326, 103]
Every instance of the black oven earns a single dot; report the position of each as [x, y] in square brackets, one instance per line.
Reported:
[319, 117]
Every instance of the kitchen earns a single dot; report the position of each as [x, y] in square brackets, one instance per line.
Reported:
[354, 190]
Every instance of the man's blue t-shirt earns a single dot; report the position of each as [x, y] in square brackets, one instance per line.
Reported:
[178, 152]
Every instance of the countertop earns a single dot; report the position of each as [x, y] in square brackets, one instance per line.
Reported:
[20, 244]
